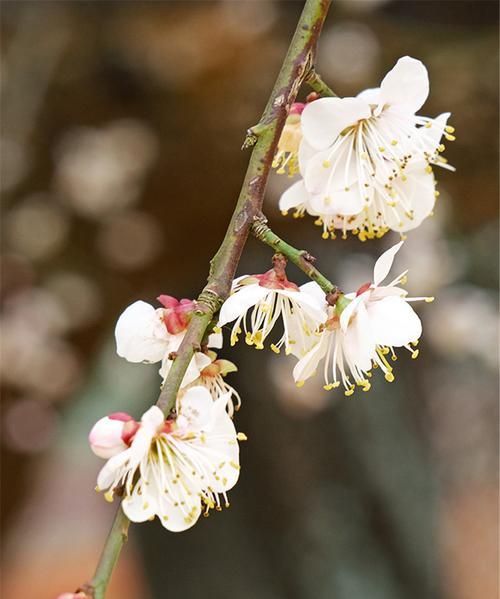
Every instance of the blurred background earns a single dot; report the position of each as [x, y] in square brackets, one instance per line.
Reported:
[120, 165]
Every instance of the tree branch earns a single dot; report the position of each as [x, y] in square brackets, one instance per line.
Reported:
[298, 61]
[301, 258]
[316, 83]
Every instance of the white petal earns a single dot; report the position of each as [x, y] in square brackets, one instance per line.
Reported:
[305, 153]
[239, 302]
[140, 334]
[197, 405]
[139, 508]
[306, 366]
[384, 264]
[371, 95]
[419, 192]
[110, 469]
[333, 192]
[215, 340]
[323, 120]
[153, 419]
[221, 449]
[179, 511]
[314, 290]
[349, 311]
[406, 85]
[296, 195]
[309, 304]
[393, 322]
[359, 343]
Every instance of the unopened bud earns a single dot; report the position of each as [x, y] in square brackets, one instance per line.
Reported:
[110, 434]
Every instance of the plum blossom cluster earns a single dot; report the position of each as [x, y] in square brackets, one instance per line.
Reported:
[366, 163]
[178, 467]
[351, 334]
[366, 166]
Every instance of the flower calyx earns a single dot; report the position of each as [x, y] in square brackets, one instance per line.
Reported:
[177, 314]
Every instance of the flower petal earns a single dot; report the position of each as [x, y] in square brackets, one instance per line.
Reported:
[359, 342]
[314, 290]
[197, 406]
[371, 95]
[323, 120]
[293, 197]
[140, 334]
[384, 264]
[406, 85]
[239, 302]
[306, 366]
[393, 322]
[141, 505]
[308, 303]
[215, 340]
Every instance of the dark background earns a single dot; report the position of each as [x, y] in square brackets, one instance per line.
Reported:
[121, 129]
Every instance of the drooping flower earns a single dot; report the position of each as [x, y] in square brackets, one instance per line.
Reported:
[176, 468]
[286, 157]
[259, 301]
[149, 335]
[361, 330]
[366, 162]
[213, 378]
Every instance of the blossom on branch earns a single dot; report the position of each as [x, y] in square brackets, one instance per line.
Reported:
[257, 303]
[362, 330]
[366, 162]
[176, 468]
[149, 335]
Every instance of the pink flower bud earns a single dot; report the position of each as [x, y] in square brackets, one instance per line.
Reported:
[79, 595]
[110, 435]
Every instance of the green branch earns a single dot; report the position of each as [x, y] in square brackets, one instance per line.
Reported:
[297, 63]
[301, 258]
[316, 83]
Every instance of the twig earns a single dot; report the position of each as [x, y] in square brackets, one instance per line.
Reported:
[223, 265]
[301, 258]
[315, 82]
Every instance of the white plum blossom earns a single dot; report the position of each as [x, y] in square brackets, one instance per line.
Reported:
[176, 468]
[366, 162]
[149, 335]
[361, 330]
[257, 302]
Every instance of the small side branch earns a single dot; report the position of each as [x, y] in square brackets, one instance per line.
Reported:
[300, 258]
[316, 83]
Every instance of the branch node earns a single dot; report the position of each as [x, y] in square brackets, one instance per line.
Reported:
[259, 226]
[333, 296]
[308, 257]
[253, 135]
[208, 301]
[172, 355]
